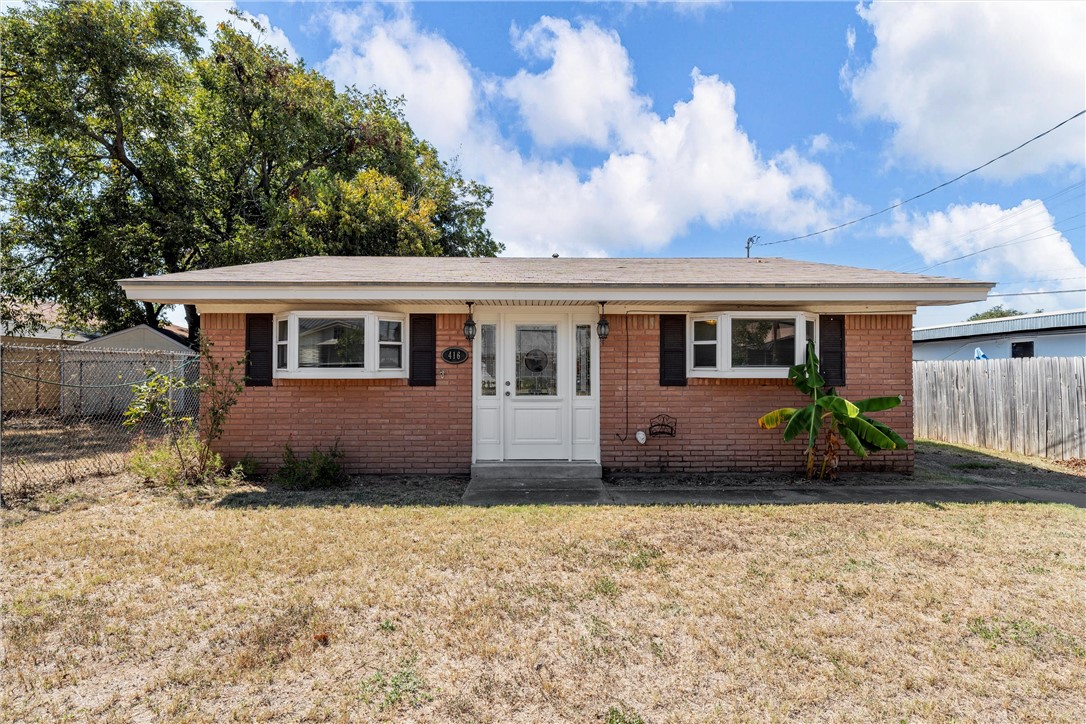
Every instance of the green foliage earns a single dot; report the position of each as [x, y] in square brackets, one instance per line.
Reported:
[847, 420]
[999, 311]
[125, 151]
[405, 687]
[616, 715]
[318, 470]
[183, 456]
[184, 460]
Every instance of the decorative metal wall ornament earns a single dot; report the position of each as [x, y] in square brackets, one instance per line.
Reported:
[469, 326]
[603, 328]
[662, 426]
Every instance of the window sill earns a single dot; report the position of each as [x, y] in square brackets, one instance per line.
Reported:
[339, 374]
[753, 373]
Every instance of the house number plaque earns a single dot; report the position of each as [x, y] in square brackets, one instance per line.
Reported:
[454, 355]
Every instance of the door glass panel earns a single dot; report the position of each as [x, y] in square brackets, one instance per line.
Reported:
[488, 358]
[584, 360]
[537, 360]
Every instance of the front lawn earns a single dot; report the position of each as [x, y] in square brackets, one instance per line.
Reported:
[127, 605]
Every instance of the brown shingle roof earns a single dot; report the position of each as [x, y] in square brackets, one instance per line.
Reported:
[522, 272]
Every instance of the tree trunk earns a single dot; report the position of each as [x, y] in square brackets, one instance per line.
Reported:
[192, 318]
[150, 315]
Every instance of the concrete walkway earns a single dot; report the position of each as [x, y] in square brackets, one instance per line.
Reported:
[595, 492]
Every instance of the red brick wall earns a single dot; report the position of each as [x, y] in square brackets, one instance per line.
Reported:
[386, 426]
[383, 426]
[717, 419]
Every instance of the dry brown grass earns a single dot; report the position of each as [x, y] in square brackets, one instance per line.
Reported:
[135, 606]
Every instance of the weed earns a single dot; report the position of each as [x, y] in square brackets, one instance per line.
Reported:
[604, 586]
[644, 558]
[616, 715]
[387, 626]
[404, 687]
[320, 469]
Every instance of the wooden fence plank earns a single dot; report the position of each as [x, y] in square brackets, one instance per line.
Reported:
[1032, 406]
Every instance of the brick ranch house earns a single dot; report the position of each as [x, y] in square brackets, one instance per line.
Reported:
[375, 353]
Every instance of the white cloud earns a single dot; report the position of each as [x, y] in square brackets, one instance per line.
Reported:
[963, 82]
[586, 95]
[395, 55]
[1020, 245]
[660, 174]
[214, 12]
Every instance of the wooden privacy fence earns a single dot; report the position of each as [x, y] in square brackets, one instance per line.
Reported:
[1032, 406]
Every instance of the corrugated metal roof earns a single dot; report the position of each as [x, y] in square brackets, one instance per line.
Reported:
[1003, 325]
[521, 272]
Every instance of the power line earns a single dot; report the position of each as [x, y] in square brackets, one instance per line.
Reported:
[931, 190]
[1017, 240]
[1035, 294]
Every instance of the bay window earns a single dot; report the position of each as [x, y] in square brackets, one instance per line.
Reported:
[748, 344]
[328, 345]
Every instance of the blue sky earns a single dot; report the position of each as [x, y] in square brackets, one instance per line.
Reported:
[662, 129]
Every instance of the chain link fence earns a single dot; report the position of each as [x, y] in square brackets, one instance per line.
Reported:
[63, 410]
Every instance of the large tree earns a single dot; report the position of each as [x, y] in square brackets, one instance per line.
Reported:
[127, 151]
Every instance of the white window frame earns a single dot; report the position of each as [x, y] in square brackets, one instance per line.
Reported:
[371, 353]
[724, 368]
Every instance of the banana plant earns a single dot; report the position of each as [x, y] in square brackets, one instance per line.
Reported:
[847, 420]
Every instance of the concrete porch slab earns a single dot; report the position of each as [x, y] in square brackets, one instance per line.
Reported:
[540, 470]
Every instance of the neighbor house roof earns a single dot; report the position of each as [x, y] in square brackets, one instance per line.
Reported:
[1041, 322]
[502, 280]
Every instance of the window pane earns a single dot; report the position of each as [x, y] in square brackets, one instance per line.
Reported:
[281, 356]
[537, 368]
[282, 330]
[811, 333]
[488, 384]
[705, 355]
[763, 342]
[584, 360]
[328, 342]
[705, 330]
[390, 331]
[391, 356]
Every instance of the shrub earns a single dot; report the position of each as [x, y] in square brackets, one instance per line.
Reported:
[320, 469]
[183, 457]
[181, 460]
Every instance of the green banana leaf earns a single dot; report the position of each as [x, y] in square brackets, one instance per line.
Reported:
[854, 443]
[874, 404]
[801, 423]
[838, 405]
[899, 442]
[868, 433]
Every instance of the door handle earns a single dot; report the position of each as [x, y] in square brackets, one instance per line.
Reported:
[507, 393]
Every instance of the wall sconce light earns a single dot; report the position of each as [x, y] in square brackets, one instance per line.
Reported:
[469, 326]
[602, 327]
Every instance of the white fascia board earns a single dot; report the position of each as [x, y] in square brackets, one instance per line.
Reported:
[209, 294]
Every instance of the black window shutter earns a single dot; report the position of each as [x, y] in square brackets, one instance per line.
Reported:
[673, 349]
[831, 342]
[258, 350]
[423, 350]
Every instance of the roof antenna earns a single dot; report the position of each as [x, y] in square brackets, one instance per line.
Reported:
[751, 241]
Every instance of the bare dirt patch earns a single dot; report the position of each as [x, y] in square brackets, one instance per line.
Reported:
[266, 604]
[936, 464]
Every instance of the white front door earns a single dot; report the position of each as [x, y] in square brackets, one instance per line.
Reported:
[536, 394]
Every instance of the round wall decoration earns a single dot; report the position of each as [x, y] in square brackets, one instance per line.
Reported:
[536, 360]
